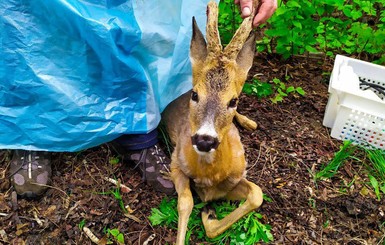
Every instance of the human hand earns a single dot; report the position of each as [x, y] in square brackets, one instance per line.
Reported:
[265, 10]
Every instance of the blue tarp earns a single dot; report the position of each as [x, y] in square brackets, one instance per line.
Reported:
[78, 73]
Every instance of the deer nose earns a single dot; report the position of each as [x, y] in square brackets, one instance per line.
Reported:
[205, 143]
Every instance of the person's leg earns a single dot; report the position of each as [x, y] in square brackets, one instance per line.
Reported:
[30, 172]
[145, 152]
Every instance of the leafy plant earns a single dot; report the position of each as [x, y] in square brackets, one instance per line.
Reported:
[118, 196]
[248, 230]
[292, 28]
[82, 224]
[264, 89]
[258, 88]
[114, 160]
[266, 198]
[283, 91]
[328, 27]
[116, 235]
[166, 214]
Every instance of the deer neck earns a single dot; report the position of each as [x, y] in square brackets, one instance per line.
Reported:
[229, 147]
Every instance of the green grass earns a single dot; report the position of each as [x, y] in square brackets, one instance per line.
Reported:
[249, 230]
[331, 169]
[376, 171]
[372, 159]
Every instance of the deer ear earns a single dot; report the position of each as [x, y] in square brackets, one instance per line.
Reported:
[246, 54]
[198, 47]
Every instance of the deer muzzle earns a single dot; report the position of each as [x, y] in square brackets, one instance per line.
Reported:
[204, 143]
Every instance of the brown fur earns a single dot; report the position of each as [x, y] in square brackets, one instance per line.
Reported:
[219, 172]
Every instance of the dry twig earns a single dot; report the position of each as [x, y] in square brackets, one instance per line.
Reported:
[91, 235]
[149, 239]
[123, 188]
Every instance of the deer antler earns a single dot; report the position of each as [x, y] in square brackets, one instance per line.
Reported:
[232, 49]
[212, 34]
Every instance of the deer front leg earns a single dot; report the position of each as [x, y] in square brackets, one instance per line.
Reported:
[245, 122]
[185, 203]
[245, 189]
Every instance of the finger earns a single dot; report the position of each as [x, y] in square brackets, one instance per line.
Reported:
[266, 10]
[246, 7]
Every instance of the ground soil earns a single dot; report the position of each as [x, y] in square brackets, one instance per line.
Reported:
[289, 145]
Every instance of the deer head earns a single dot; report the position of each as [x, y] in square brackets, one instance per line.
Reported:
[218, 77]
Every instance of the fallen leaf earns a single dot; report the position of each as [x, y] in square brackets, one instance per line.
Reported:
[49, 211]
[95, 212]
[364, 191]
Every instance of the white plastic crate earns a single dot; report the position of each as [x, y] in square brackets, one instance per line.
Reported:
[354, 112]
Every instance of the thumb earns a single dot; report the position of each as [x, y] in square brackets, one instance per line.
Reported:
[246, 7]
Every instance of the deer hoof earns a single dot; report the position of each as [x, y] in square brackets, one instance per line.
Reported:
[245, 122]
[210, 222]
[208, 213]
[249, 125]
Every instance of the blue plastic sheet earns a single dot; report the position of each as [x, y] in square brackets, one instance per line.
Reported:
[78, 73]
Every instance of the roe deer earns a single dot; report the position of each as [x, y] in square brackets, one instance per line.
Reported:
[208, 154]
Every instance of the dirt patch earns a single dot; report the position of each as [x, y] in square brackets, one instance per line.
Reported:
[288, 146]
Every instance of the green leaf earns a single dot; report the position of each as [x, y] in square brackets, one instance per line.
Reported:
[156, 217]
[200, 205]
[166, 214]
[278, 12]
[276, 81]
[311, 49]
[340, 157]
[258, 215]
[114, 160]
[300, 91]
[247, 89]
[374, 183]
[114, 232]
[293, 4]
[254, 229]
[276, 32]
[290, 89]
[320, 11]
[120, 238]
[356, 14]
[277, 98]
[279, 90]
[82, 224]
[297, 24]
[347, 10]
[267, 199]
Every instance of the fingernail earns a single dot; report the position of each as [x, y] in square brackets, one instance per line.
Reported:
[246, 11]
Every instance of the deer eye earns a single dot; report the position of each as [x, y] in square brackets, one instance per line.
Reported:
[233, 102]
[194, 96]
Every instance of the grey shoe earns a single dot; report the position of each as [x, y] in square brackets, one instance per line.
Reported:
[30, 172]
[155, 167]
